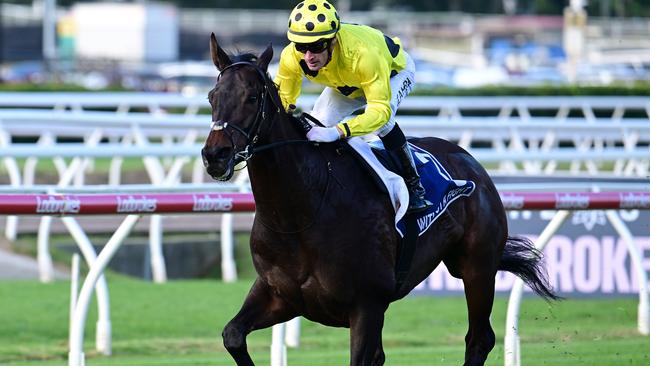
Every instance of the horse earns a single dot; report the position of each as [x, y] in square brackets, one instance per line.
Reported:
[323, 241]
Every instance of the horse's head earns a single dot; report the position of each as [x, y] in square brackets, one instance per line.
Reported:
[241, 101]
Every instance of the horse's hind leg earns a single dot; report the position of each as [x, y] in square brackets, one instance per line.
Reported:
[479, 341]
[261, 309]
[366, 324]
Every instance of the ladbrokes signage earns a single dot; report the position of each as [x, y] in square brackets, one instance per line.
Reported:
[585, 257]
[55, 205]
[131, 204]
[207, 203]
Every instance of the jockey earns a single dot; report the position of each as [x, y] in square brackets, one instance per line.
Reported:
[360, 67]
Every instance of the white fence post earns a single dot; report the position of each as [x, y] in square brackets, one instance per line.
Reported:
[74, 285]
[643, 311]
[511, 348]
[76, 355]
[103, 329]
[158, 269]
[45, 267]
[278, 348]
[292, 338]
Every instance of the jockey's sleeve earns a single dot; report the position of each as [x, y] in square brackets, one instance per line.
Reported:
[374, 75]
[289, 77]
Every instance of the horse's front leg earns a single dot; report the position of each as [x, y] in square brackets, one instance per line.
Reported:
[366, 324]
[261, 309]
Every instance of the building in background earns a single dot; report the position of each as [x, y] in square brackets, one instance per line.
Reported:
[136, 32]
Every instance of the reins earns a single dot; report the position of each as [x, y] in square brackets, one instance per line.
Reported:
[261, 116]
[252, 137]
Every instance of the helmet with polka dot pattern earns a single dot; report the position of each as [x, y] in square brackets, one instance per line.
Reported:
[312, 20]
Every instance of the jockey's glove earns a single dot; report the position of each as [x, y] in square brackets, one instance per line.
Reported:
[323, 134]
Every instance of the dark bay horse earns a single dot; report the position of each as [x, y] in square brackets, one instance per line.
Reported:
[323, 241]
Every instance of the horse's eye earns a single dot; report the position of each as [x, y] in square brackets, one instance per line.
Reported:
[252, 99]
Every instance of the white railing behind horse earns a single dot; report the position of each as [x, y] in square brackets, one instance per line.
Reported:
[539, 163]
[228, 267]
[503, 132]
[454, 106]
[69, 123]
[622, 161]
[512, 134]
[80, 154]
[63, 124]
[542, 162]
[243, 202]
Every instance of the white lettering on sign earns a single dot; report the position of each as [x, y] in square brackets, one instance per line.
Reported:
[207, 203]
[614, 272]
[54, 205]
[589, 219]
[559, 257]
[635, 200]
[586, 272]
[571, 200]
[589, 265]
[133, 204]
[512, 202]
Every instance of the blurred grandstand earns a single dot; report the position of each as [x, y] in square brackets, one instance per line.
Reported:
[167, 50]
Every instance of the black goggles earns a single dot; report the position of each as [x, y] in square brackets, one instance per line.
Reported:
[314, 47]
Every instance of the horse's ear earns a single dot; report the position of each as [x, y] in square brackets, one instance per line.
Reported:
[265, 58]
[219, 57]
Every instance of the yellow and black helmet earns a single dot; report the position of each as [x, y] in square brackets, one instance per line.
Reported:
[312, 20]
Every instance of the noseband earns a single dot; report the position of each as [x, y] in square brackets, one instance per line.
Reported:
[252, 135]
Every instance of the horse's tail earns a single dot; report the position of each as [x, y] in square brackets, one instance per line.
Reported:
[521, 258]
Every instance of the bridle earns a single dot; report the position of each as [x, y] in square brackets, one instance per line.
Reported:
[252, 135]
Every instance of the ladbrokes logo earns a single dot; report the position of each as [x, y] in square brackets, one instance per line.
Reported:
[569, 200]
[207, 203]
[512, 202]
[131, 204]
[53, 205]
[635, 200]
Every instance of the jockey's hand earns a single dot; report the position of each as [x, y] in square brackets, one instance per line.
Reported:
[323, 134]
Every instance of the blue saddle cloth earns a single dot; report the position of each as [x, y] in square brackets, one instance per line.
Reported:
[441, 188]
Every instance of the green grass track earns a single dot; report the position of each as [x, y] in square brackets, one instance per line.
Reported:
[179, 323]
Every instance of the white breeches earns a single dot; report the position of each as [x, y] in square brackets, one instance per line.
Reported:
[332, 107]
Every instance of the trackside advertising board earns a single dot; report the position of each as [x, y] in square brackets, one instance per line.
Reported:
[586, 257]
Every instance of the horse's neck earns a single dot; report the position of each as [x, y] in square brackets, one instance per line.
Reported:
[288, 178]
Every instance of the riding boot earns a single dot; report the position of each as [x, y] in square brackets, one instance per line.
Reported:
[417, 201]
